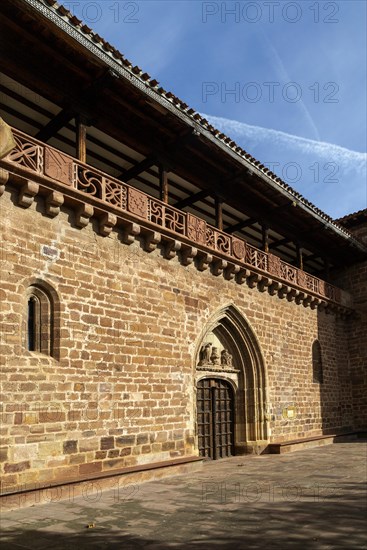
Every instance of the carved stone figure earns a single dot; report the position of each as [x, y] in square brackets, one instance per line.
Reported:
[215, 358]
[226, 358]
[205, 353]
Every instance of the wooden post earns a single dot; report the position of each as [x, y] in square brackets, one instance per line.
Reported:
[327, 269]
[163, 184]
[219, 213]
[81, 139]
[265, 238]
[299, 256]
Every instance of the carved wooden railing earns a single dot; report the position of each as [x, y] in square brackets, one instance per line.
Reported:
[35, 157]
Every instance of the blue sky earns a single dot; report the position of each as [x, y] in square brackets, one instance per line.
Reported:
[286, 80]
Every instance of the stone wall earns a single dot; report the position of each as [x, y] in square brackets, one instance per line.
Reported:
[354, 279]
[119, 390]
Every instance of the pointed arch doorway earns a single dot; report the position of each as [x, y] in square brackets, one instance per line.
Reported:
[230, 387]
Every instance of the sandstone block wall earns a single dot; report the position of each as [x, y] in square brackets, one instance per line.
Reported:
[120, 390]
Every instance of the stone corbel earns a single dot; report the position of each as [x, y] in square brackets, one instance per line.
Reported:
[107, 223]
[4, 176]
[274, 287]
[188, 254]
[253, 280]
[218, 266]
[151, 240]
[292, 294]
[53, 203]
[300, 297]
[171, 248]
[323, 306]
[203, 261]
[83, 215]
[283, 291]
[264, 283]
[130, 232]
[231, 271]
[315, 302]
[242, 275]
[307, 301]
[27, 193]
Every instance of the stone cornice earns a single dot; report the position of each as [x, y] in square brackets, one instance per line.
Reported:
[37, 168]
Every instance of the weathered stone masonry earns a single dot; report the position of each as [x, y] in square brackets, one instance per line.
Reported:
[164, 297]
[122, 392]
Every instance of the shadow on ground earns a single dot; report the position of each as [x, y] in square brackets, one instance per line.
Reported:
[323, 520]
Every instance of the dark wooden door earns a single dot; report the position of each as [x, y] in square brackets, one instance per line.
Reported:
[215, 418]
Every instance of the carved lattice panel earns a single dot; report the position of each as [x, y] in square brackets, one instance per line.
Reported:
[196, 229]
[116, 194]
[58, 166]
[238, 248]
[88, 181]
[27, 154]
[138, 203]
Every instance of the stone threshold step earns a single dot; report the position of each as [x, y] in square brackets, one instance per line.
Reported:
[310, 442]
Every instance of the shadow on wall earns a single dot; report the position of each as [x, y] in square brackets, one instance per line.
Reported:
[331, 374]
[334, 518]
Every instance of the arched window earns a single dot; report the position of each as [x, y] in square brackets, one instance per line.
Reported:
[41, 316]
[317, 371]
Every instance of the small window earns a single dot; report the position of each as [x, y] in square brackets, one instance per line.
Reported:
[32, 324]
[41, 316]
[317, 370]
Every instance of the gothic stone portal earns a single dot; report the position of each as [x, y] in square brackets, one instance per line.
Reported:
[230, 388]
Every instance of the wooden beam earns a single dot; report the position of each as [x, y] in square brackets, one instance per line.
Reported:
[163, 184]
[240, 225]
[134, 171]
[281, 242]
[192, 199]
[219, 213]
[85, 101]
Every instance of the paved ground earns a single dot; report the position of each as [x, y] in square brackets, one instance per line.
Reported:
[313, 499]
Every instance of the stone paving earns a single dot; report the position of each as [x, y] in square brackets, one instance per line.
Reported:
[310, 499]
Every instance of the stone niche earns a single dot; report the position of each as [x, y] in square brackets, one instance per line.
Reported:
[215, 355]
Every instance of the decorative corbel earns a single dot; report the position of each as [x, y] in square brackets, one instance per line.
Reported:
[27, 193]
[188, 254]
[151, 240]
[264, 283]
[218, 266]
[253, 279]
[107, 223]
[130, 232]
[53, 203]
[231, 271]
[203, 261]
[283, 291]
[171, 249]
[83, 215]
[242, 275]
[4, 177]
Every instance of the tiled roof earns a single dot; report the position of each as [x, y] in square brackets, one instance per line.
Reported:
[183, 107]
[354, 216]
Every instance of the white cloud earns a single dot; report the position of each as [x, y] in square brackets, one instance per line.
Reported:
[337, 194]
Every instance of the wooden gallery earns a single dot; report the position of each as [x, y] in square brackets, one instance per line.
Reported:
[164, 297]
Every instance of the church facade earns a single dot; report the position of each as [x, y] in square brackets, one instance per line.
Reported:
[164, 297]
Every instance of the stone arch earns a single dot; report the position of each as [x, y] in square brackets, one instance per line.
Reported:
[47, 309]
[247, 375]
